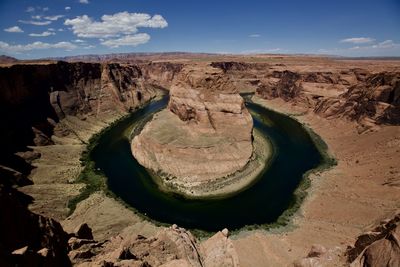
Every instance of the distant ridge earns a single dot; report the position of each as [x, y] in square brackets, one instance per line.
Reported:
[138, 57]
[127, 57]
[152, 56]
[7, 59]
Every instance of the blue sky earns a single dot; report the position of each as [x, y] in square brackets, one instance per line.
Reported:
[47, 28]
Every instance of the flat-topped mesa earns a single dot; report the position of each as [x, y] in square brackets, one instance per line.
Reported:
[204, 135]
[212, 103]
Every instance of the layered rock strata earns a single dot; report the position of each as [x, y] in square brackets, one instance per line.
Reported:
[204, 134]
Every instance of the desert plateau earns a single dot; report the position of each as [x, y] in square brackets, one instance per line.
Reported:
[195, 159]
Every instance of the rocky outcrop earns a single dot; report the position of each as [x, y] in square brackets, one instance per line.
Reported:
[172, 246]
[234, 66]
[366, 98]
[205, 134]
[34, 98]
[167, 246]
[288, 87]
[378, 247]
[161, 74]
[28, 239]
[376, 98]
[319, 256]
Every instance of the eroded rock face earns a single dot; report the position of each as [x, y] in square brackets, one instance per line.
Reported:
[172, 246]
[378, 247]
[36, 97]
[205, 134]
[376, 98]
[28, 239]
[288, 87]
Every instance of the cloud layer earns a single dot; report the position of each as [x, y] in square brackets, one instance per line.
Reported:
[358, 40]
[43, 34]
[34, 22]
[35, 46]
[122, 23]
[128, 40]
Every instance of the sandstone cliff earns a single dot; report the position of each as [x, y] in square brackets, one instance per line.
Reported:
[169, 247]
[376, 98]
[82, 92]
[205, 134]
[28, 239]
[34, 98]
[378, 247]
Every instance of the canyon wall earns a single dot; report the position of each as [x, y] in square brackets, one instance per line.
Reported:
[35, 99]
[352, 93]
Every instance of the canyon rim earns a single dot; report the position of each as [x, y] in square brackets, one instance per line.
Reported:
[279, 145]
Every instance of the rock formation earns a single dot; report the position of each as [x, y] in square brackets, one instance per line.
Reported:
[36, 97]
[288, 87]
[376, 98]
[378, 247]
[36, 101]
[205, 134]
[28, 239]
[172, 246]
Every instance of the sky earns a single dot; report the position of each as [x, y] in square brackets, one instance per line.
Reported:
[55, 28]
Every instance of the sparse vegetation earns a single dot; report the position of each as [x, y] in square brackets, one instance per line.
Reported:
[93, 179]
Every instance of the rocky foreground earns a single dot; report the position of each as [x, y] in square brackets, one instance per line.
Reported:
[51, 110]
[203, 136]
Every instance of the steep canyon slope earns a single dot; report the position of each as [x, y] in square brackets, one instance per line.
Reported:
[50, 111]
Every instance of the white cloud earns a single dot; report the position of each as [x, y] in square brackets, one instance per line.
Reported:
[79, 41]
[387, 44]
[84, 1]
[67, 8]
[89, 47]
[60, 29]
[30, 9]
[55, 17]
[254, 35]
[114, 25]
[43, 34]
[128, 40]
[37, 23]
[358, 40]
[51, 29]
[35, 46]
[36, 17]
[14, 29]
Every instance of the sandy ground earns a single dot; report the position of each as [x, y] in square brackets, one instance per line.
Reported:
[54, 176]
[361, 190]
